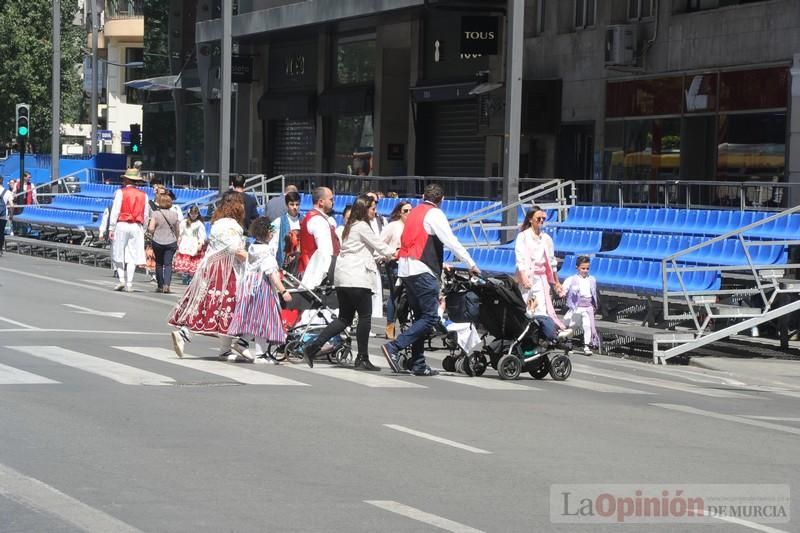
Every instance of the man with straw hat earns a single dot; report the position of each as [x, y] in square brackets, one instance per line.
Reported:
[129, 211]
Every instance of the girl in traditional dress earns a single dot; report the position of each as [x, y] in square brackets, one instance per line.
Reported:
[536, 261]
[258, 313]
[208, 305]
[190, 244]
[581, 293]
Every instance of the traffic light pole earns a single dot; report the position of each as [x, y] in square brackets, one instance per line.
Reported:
[225, 101]
[55, 139]
[514, 49]
[93, 110]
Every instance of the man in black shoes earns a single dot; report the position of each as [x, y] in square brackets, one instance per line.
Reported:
[425, 235]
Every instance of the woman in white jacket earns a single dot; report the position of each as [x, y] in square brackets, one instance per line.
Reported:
[354, 277]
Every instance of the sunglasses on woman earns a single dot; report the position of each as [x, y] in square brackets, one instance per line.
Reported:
[405, 210]
[540, 219]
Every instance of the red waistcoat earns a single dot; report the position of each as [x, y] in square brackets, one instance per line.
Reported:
[307, 243]
[417, 244]
[133, 202]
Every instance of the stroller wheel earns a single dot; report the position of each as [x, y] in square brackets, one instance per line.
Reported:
[540, 371]
[459, 364]
[449, 363]
[293, 350]
[474, 364]
[277, 352]
[509, 366]
[560, 367]
[343, 355]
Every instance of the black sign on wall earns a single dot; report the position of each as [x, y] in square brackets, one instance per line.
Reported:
[241, 69]
[480, 35]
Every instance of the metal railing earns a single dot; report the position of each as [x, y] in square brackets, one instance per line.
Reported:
[689, 194]
[122, 9]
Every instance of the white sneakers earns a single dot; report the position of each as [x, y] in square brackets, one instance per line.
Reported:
[179, 340]
[243, 349]
[587, 351]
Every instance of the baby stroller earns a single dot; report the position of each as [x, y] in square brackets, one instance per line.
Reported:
[516, 344]
[316, 308]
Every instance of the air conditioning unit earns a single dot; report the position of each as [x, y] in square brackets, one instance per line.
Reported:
[621, 45]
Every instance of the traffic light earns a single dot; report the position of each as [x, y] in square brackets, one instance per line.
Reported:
[23, 121]
[135, 147]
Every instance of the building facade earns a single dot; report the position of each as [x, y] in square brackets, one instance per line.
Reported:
[612, 89]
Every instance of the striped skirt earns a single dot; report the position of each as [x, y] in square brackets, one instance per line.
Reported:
[257, 310]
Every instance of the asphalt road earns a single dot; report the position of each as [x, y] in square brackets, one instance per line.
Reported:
[104, 429]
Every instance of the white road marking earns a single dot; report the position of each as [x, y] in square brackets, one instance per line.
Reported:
[664, 384]
[14, 376]
[360, 377]
[747, 523]
[82, 331]
[38, 495]
[728, 418]
[422, 516]
[83, 286]
[440, 440]
[87, 311]
[18, 324]
[775, 418]
[219, 368]
[127, 375]
[487, 383]
[692, 375]
[599, 387]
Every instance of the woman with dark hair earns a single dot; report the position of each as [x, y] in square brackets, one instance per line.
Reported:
[207, 306]
[536, 262]
[191, 241]
[354, 277]
[164, 232]
[391, 235]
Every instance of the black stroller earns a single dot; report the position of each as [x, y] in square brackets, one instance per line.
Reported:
[516, 344]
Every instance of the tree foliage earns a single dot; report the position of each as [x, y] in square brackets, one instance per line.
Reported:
[26, 49]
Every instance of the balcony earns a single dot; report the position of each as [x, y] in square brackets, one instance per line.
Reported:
[124, 9]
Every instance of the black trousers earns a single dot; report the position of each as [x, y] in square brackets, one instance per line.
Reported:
[164, 254]
[2, 234]
[352, 300]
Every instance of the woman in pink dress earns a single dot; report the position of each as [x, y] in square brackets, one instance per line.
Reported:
[536, 262]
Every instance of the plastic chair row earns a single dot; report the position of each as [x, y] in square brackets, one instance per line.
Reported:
[80, 203]
[725, 252]
[686, 221]
[641, 276]
[60, 218]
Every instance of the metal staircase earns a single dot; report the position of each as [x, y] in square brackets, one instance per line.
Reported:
[765, 283]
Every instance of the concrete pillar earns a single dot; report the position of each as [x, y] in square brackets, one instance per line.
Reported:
[793, 144]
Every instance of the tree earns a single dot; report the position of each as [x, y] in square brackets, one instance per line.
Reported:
[26, 49]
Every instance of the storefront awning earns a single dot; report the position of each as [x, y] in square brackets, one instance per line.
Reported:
[295, 106]
[449, 91]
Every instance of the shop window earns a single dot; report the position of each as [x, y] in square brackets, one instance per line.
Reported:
[355, 59]
[661, 96]
[651, 149]
[353, 144]
[585, 12]
[751, 146]
[534, 19]
[743, 90]
[133, 55]
[640, 9]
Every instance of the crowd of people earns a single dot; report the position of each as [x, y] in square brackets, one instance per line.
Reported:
[235, 272]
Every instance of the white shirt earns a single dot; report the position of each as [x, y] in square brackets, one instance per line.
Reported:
[260, 259]
[434, 223]
[320, 228]
[391, 233]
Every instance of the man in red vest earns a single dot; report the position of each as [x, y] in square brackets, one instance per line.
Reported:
[129, 212]
[419, 264]
[318, 240]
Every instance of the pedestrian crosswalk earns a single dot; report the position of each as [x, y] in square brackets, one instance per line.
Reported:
[158, 366]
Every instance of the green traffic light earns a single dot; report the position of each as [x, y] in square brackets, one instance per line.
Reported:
[134, 148]
[22, 131]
